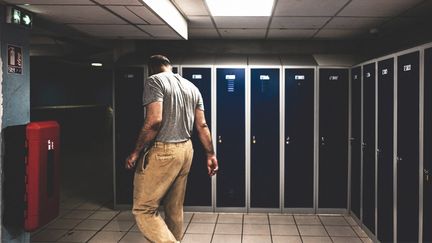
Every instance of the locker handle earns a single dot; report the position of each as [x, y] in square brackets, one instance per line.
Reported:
[322, 141]
[287, 141]
[426, 173]
[220, 139]
[253, 139]
[399, 159]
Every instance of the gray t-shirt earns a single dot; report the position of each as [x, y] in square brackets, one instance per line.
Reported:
[180, 100]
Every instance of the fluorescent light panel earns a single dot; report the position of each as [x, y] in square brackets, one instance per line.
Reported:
[96, 64]
[170, 14]
[240, 7]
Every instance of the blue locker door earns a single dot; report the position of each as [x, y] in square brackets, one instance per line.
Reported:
[369, 103]
[385, 149]
[427, 180]
[299, 138]
[264, 176]
[128, 122]
[333, 138]
[408, 148]
[356, 148]
[231, 187]
[198, 190]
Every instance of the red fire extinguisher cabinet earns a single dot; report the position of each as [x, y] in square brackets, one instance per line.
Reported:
[42, 174]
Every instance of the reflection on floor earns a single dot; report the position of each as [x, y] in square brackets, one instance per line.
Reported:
[94, 221]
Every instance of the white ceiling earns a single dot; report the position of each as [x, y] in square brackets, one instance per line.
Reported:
[291, 19]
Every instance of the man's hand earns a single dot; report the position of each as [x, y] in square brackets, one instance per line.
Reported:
[131, 160]
[212, 165]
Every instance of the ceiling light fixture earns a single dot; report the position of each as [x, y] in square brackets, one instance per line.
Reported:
[96, 64]
[240, 7]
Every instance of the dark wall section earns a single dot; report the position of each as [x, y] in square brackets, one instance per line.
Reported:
[56, 82]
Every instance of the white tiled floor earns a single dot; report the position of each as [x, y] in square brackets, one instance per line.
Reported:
[89, 221]
[86, 215]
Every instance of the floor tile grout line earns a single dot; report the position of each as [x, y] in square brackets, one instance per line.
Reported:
[109, 221]
[187, 227]
[242, 231]
[269, 225]
[322, 223]
[214, 228]
[298, 230]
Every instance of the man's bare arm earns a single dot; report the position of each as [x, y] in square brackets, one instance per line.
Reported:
[205, 138]
[150, 129]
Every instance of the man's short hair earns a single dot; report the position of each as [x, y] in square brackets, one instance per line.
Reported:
[157, 61]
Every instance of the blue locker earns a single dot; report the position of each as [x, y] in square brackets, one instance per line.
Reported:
[356, 147]
[427, 165]
[230, 121]
[333, 138]
[408, 147]
[128, 122]
[299, 137]
[264, 176]
[369, 102]
[385, 149]
[198, 191]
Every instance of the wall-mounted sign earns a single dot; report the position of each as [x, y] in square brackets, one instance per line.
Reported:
[15, 59]
[19, 17]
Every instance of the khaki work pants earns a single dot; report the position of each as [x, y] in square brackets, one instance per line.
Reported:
[162, 176]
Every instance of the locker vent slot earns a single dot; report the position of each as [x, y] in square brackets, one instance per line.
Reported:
[230, 86]
[196, 76]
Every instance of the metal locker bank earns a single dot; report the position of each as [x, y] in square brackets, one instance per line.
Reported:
[333, 138]
[299, 124]
[369, 145]
[385, 166]
[199, 186]
[264, 176]
[408, 79]
[427, 166]
[355, 140]
[230, 132]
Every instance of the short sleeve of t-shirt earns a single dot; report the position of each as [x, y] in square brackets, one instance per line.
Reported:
[153, 91]
[200, 104]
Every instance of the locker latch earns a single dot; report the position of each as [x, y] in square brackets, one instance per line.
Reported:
[253, 139]
[220, 139]
[287, 141]
[426, 173]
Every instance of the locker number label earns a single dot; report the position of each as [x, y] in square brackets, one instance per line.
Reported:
[196, 76]
[299, 77]
[407, 68]
[355, 77]
[334, 78]
[264, 77]
[230, 77]
[384, 71]
[368, 75]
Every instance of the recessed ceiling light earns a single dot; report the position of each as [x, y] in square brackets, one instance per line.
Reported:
[240, 7]
[96, 64]
[26, 4]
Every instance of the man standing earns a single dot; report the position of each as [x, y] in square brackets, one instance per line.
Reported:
[173, 105]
